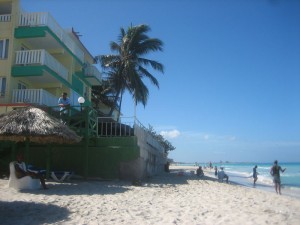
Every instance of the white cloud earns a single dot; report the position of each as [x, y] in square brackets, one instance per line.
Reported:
[205, 136]
[170, 134]
[209, 137]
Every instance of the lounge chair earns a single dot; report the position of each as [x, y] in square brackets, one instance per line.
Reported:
[61, 176]
[26, 182]
[58, 176]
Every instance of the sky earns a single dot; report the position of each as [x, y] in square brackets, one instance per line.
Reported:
[231, 86]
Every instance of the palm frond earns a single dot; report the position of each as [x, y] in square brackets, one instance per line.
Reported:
[146, 73]
[127, 68]
[149, 45]
[154, 64]
[115, 47]
[108, 61]
[122, 34]
[141, 92]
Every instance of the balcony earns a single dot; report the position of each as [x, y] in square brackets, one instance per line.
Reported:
[92, 75]
[41, 97]
[43, 58]
[34, 96]
[46, 20]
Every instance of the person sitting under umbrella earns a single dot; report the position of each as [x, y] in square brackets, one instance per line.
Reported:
[21, 171]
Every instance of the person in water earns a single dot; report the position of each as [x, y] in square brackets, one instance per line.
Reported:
[275, 172]
[216, 171]
[255, 173]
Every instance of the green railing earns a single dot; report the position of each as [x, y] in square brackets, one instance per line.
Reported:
[83, 120]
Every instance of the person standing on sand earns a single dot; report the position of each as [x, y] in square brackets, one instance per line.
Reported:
[275, 172]
[255, 173]
[216, 171]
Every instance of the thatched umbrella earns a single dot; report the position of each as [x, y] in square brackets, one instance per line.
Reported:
[30, 124]
[36, 125]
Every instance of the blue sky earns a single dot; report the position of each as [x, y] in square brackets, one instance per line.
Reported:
[231, 87]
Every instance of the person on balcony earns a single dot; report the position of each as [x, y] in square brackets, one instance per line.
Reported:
[64, 104]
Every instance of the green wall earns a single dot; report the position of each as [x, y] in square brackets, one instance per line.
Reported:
[105, 155]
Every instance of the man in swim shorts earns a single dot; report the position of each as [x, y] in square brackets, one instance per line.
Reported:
[275, 172]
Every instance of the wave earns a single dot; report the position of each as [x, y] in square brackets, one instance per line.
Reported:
[292, 185]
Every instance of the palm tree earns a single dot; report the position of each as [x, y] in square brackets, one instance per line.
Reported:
[102, 94]
[128, 67]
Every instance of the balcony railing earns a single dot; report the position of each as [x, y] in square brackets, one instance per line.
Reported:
[34, 96]
[5, 18]
[41, 97]
[91, 70]
[128, 127]
[145, 137]
[45, 19]
[41, 57]
[107, 127]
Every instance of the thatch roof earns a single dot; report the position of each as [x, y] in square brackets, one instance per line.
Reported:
[35, 124]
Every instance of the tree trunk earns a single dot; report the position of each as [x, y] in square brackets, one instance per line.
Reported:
[114, 105]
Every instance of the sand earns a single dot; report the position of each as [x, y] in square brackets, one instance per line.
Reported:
[169, 198]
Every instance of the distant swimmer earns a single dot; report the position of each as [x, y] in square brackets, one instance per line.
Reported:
[275, 172]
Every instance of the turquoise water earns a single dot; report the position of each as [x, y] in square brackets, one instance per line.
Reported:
[242, 173]
[290, 178]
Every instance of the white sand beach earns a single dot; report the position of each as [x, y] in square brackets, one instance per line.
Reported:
[165, 199]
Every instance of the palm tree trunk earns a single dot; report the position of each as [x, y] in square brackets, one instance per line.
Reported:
[120, 107]
[114, 105]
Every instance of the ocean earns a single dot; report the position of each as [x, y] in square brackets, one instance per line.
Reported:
[241, 173]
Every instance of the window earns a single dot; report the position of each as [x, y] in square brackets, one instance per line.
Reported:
[2, 86]
[4, 48]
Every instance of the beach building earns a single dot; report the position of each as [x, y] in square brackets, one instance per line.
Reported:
[39, 60]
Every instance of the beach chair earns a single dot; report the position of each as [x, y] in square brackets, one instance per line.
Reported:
[61, 176]
[21, 183]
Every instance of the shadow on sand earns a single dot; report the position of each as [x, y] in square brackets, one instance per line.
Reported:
[78, 187]
[19, 212]
[92, 187]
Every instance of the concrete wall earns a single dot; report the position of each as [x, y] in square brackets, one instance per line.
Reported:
[151, 152]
